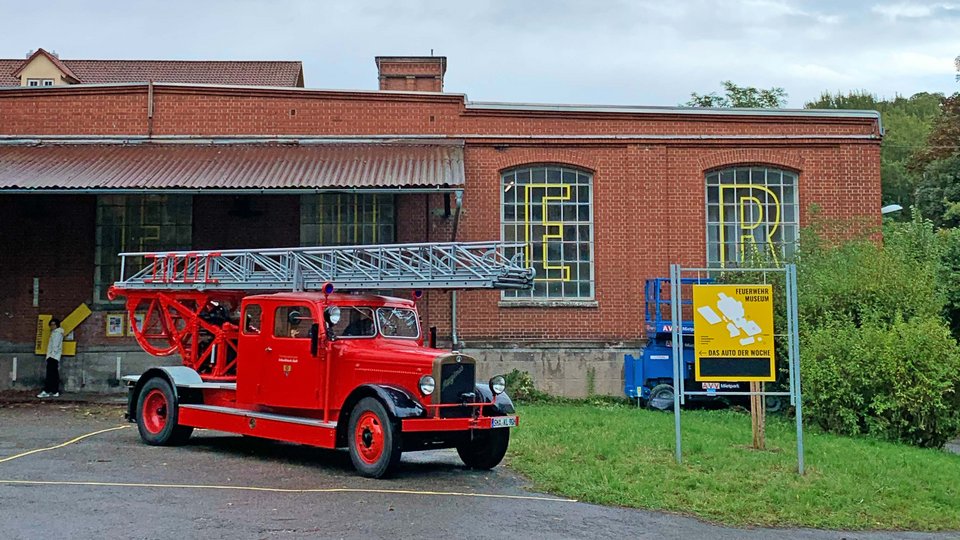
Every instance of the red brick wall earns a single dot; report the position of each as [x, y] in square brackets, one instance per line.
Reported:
[50, 237]
[212, 111]
[412, 74]
[648, 191]
[93, 112]
[649, 212]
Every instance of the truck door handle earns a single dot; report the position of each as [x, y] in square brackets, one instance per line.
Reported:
[268, 349]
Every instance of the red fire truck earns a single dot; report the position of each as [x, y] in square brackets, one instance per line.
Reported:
[270, 348]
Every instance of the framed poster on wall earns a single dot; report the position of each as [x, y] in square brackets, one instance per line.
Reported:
[115, 324]
[135, 322]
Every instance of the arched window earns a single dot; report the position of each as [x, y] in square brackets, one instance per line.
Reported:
[549, 208]
[751, 214]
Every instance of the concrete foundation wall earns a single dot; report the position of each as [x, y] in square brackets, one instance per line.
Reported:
[568, 372]
[86, 372]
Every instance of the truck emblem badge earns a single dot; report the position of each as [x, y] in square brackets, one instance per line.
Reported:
[459, 359]
[453, 376]
[286, 370]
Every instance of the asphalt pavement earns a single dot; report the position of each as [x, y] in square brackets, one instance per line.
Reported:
[110, 485]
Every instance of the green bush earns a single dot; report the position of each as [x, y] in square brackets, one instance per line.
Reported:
[898, 381]
[950, 276]
[875, 318]
[520, 387]
[863, 282]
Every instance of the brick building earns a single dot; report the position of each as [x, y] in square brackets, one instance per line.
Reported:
[604, 196]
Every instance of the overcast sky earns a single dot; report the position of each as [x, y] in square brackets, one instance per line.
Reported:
[638, 52]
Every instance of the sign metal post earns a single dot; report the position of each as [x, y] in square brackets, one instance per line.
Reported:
[734, 338]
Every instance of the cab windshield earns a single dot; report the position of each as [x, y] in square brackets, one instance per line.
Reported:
[398, 323]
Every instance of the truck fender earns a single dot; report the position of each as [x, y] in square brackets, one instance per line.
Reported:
[175, 375]
[399, 403]
[503, 404]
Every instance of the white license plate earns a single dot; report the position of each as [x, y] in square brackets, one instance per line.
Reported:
[503, 421]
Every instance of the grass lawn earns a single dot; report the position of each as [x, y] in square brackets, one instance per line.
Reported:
[621, 455]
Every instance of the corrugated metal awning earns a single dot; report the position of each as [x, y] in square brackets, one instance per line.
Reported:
[279, 167]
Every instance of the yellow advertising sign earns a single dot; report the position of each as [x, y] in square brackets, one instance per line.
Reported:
[73, 320]
[43, 334]
[733, 332]
[69, 324]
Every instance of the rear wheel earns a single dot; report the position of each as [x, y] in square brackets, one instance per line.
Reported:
[157, 414]
[486, 449]
[373, 439]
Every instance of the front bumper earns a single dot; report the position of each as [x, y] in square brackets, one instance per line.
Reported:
[412, 425]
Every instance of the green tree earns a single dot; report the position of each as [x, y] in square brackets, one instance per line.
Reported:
[943, 140]
[938, 191]
[740, 96]
[907, 124]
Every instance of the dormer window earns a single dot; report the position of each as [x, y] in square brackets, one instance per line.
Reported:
[39, 82]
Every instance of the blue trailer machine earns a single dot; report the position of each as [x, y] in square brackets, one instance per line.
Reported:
[649, 376]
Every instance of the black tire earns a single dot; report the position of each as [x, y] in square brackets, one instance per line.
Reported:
[486, 450]
[158, 413]
[373, 439]
[661, 398]
[774, 404]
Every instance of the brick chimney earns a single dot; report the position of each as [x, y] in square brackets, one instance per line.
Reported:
[412, 73]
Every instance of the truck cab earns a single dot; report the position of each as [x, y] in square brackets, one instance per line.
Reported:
[308, 351]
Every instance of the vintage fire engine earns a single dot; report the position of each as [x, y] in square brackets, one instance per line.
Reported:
[312, 365]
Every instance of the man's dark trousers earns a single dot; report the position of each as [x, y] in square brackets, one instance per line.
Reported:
[52, 383]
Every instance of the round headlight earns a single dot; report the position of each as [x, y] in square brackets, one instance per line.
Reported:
[498, 384]
[333, 314]
[427, 385]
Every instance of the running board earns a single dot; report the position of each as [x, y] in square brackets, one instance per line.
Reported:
[211, 386]
[131, 380]
[260, 424]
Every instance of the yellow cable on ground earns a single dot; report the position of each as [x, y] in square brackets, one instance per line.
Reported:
[61, 445]
[281, 490]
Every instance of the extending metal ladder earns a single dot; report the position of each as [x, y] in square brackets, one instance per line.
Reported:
[452, 265]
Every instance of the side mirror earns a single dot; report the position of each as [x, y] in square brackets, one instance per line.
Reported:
[331, 316]
[314, 338]
[293, 318]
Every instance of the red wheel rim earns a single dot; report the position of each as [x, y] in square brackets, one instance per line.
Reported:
[369, 437]
[155, 408]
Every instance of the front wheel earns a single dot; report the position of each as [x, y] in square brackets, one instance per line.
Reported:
[486, 449]
[373, 439]
[157, 415]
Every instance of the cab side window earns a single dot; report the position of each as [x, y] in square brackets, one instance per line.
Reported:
[251, 319]
[355, 322]
[292, 322]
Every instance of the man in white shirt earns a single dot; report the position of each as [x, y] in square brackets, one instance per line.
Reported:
[51, 386]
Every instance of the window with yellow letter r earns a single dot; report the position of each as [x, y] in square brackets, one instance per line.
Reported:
[752, 215]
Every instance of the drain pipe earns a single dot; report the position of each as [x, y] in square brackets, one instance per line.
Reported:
[150, 109]
[453, 294]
